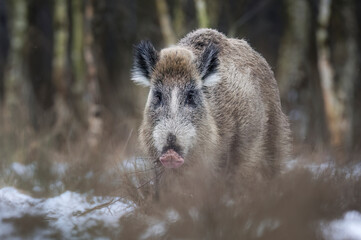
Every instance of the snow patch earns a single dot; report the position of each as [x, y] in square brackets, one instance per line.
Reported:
[62, 212]
[156, 230]
[59, 169]
[267, 225]
[349, 227]
[172, 216]
[351, 170]
[24, 171]
[135, 164]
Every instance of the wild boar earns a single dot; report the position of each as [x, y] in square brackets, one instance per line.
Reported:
[213, 105]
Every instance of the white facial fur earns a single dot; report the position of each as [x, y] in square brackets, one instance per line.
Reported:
[174, 104]
[184, 132]
[175, 124]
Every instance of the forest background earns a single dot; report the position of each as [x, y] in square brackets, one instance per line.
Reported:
[65, 65]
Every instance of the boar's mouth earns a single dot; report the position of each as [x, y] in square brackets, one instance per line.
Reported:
[171, 159]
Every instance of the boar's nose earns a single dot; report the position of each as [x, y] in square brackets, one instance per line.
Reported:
[171, 139]
[172, 144]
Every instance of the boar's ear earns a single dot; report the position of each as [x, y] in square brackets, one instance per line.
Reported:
[208, 66]
[145, 58]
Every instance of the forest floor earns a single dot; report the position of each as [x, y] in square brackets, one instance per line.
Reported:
[107, 194]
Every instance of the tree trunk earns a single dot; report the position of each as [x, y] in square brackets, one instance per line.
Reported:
[297, 77]
[15, 76]
[77, 47]
[40, 49]
[95, 121]
[293, 54]
[165, 22]
[317, 131]
[4, 47]
[179, 20]
[61, 71]
[202, 16]
[346, 62]
[333, 107]
[214, 9]
[356, 122]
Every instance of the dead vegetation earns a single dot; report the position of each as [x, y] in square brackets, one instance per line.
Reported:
[291, 206]
[315, 190]
[295, 205]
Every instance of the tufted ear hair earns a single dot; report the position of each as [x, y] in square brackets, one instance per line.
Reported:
[145, 58]
[208, 66]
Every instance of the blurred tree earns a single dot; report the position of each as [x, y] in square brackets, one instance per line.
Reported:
[259, 22]
[213, 9]
[4, 47]
[39, 59]
[76, 48]
[179, 18]
[294, 49]
[295, 69]
[95, 121]
[317, 134]
[333, 106]
[61, 65]
[202, 15]
[69, 58]
[344, 46]
[115, 27]
[165, 22]
[356, 122]
[235, 14]
[15, 77]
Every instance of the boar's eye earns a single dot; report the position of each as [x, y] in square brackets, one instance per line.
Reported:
[190, 98]
[157, 98]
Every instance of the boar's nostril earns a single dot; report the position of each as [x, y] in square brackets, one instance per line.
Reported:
[171, 139]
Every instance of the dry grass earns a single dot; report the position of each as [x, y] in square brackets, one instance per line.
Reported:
[290, 206]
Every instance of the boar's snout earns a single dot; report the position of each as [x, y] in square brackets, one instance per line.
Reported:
[171, 157]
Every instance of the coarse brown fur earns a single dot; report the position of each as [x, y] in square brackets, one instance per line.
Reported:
[241, 129]
[253, 130]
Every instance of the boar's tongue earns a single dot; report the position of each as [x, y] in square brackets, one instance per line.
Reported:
[171, 159]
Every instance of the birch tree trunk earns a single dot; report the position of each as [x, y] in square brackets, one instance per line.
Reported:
[333, 106]
[61, 74]
[202, 16]
[165, 22]
[95, 121]
[15, 76]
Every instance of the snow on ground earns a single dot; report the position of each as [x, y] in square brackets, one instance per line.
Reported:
[62, 218]
[317, 168]
[349, 227]
[61, 213]
[135, 164]
[26, 171]
[157, 227]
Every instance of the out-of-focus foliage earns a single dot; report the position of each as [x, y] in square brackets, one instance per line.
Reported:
[67, 63]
